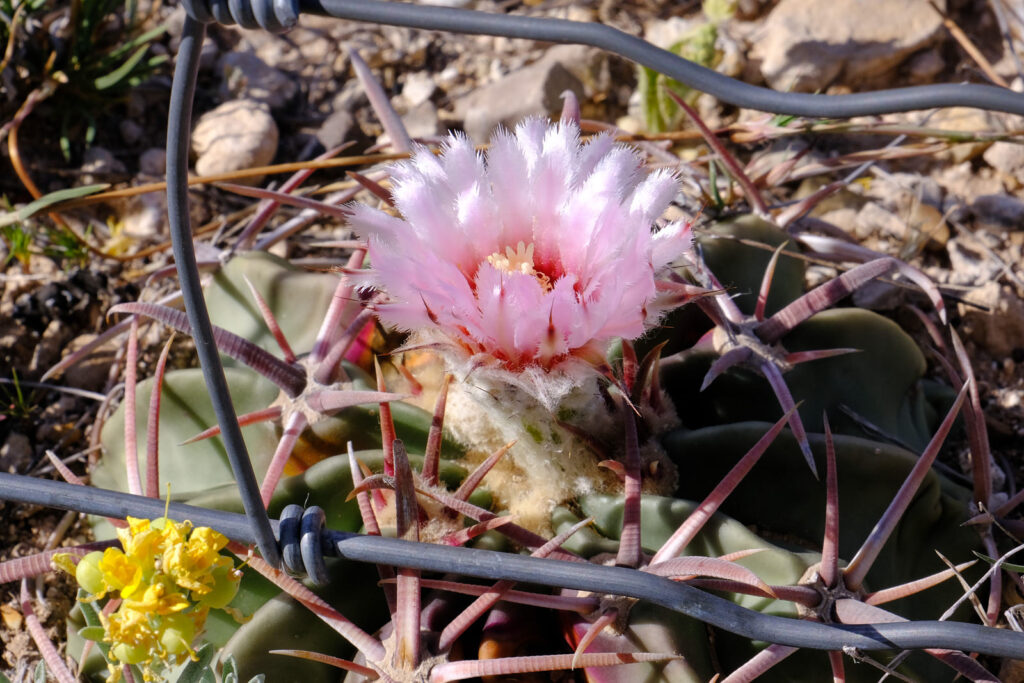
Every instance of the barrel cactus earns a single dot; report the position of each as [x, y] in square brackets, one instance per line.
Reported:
[547, 394]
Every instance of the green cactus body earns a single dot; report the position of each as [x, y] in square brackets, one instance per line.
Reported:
[297, 297]
[783, 500]
[730, 251]
[881, 382]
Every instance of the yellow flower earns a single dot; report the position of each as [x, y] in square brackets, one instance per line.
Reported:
[191, 564]
[169, 576]
[131, 627]
[160, 597]
[120, 573]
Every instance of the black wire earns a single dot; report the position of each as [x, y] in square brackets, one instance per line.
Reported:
[178, 131]
[486, 564]
[694, 75]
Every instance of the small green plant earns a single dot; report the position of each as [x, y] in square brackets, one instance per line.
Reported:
[98, 51]
[19, 242]
[16, 404]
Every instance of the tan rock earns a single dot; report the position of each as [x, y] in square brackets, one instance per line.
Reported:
[805, 45]
[236, 135]
[1000, 329]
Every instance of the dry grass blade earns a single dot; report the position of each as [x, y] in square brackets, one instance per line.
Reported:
[287, 199]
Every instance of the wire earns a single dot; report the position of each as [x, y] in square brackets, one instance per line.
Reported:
[700, 78]
[486, 564]
[178, 129]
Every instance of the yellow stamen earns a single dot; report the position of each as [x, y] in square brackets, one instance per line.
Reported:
[519, 261]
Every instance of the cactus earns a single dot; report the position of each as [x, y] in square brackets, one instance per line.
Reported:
[565, 424]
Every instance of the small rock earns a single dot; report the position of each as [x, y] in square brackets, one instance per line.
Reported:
[805, 45]
[998, 212]
[1006, 157]
[629, 124]
[208, 54]
[131, 132]
[962, 183]
[419, 86]
[246, 76]
[449, 77]
[15, 453]
[153, 161]
[967, 120]
[47, 350]
[98, 165]
[421, 121]
[899, 189]
[925, 66]
[588, 64]
[145, 215]
[1000, 329]
[872, 217]
[844, 218]
[236, 135]
[534, 90]
[335, 129]
[928, 226]
[969, 265]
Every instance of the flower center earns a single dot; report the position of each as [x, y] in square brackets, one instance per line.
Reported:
[519, 261]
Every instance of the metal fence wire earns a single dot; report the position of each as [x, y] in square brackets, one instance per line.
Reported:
[272, 537]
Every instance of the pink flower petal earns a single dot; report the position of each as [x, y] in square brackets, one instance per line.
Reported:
[531, 259]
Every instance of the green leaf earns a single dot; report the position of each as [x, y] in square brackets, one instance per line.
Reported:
[1005, 565]
[200, 671]
[142, 39]
[229, 670]
[121, 72]
[39, 676]
[92, 633]
[43, 202]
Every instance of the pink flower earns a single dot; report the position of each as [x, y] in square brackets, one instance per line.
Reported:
[529, 261]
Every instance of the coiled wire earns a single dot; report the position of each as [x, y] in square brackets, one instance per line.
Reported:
[299, 533]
